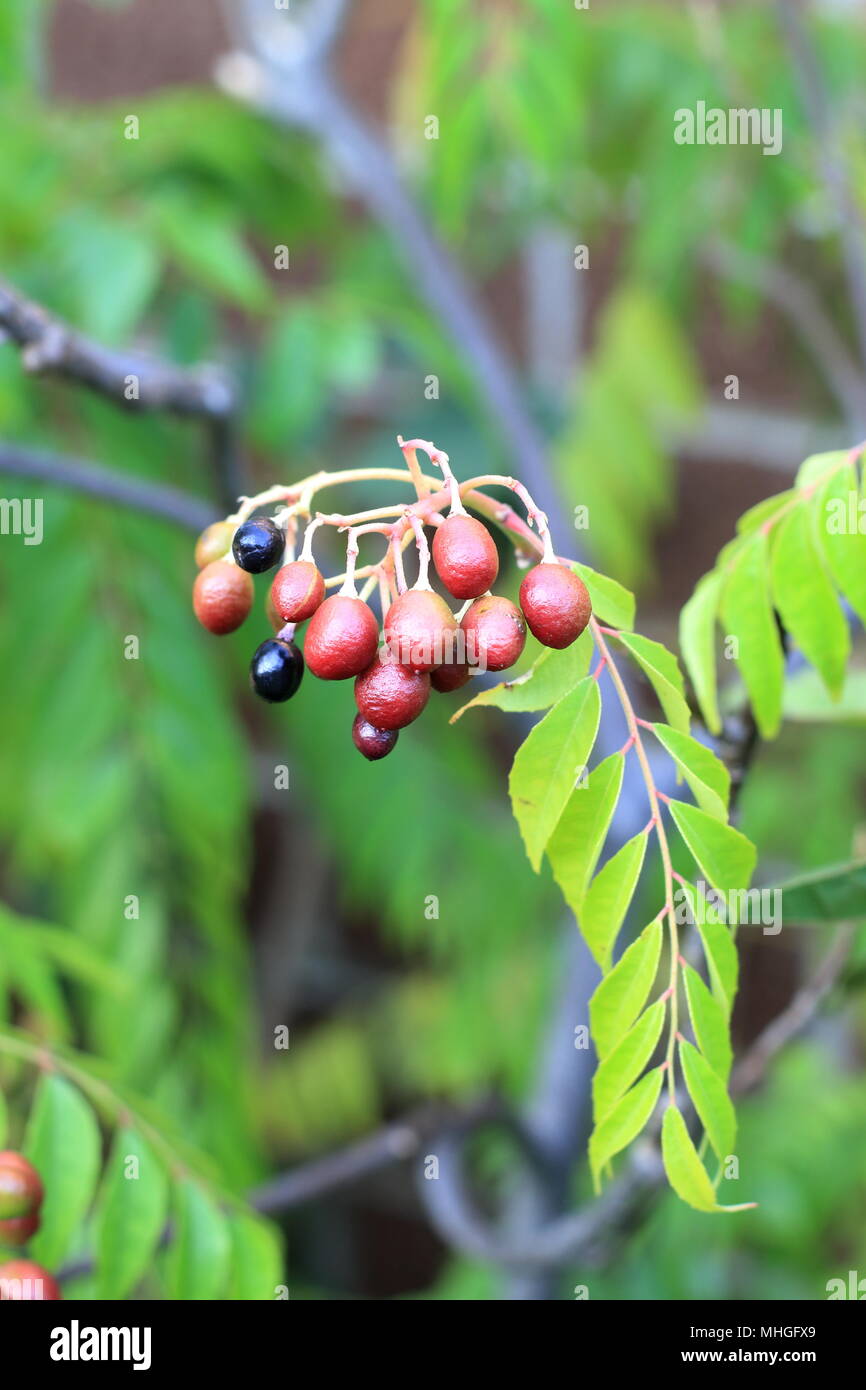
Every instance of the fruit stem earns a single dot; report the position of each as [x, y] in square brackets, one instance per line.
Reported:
[396, 551]
[307, 548]
[419, 482]
[423, 581]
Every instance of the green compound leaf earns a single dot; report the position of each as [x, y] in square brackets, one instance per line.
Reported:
[548, 764]
[747, 617]
[578, 839]
[709, 1022]
[197, 1262]
[807, 600]
[711, 1100]
[611, 602]
[723, 854]
[608, 897]
[622, 994]
[614, 1076]
[625, 1121]
[698, 645]
[131, 1214]
[686, 1174]
[662, 671]
[706, 774]
[550, 677]
[63, 1144]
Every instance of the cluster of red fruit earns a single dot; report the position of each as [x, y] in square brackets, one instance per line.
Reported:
[20, 1202]
[425, 646]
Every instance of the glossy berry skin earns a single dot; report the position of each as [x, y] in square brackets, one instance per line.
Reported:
[420, 630]
[20, 1198]
[213, 543]
[465, 556]
[495, 633]
[556, 604]
[298, 590]
[450, 676]
[27, 1282]
[341, 639]
[390, 696]
[373, 743]
[258, 545]
[222, 597]
[276, 670]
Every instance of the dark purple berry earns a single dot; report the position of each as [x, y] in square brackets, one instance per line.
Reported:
[276, 670]
[258, 545]
[372, 742]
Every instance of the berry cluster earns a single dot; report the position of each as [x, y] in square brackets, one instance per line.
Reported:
[20, 1203]
[423, 645]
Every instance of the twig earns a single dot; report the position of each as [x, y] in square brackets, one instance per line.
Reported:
[135, 383]
[62, 471]
[51, 346]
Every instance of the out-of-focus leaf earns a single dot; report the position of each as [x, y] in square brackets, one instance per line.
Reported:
[63, 1144]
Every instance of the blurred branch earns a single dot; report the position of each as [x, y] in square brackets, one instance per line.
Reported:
[798, 301]
[280, 68]
[395, 1143]
[831, 163]
[753, 1067]
[133, 383]
[90, 478]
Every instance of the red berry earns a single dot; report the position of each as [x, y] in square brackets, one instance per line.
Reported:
[390, 696]
[373, 743]
[342, 638]
[27, 1282]
[222, 596]
[495, 633]
[20, 1198]
[556, 604]
[420, 630]
[450, 676]
[213, 543]
[298, 590]
[465, 556]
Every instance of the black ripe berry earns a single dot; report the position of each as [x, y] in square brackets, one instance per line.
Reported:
[372, 742]
[276, 670]
[258, 545]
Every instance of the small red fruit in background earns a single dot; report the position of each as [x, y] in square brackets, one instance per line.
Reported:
[222, 596]
[420, 630]
[20, 1198]
[373, 743]
[556, 604]
[465, 556]
[495, 633]
[389, 696]
[342, 638]
[298, 590]
[213, 543]
[28, 1282]
[450, 676]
